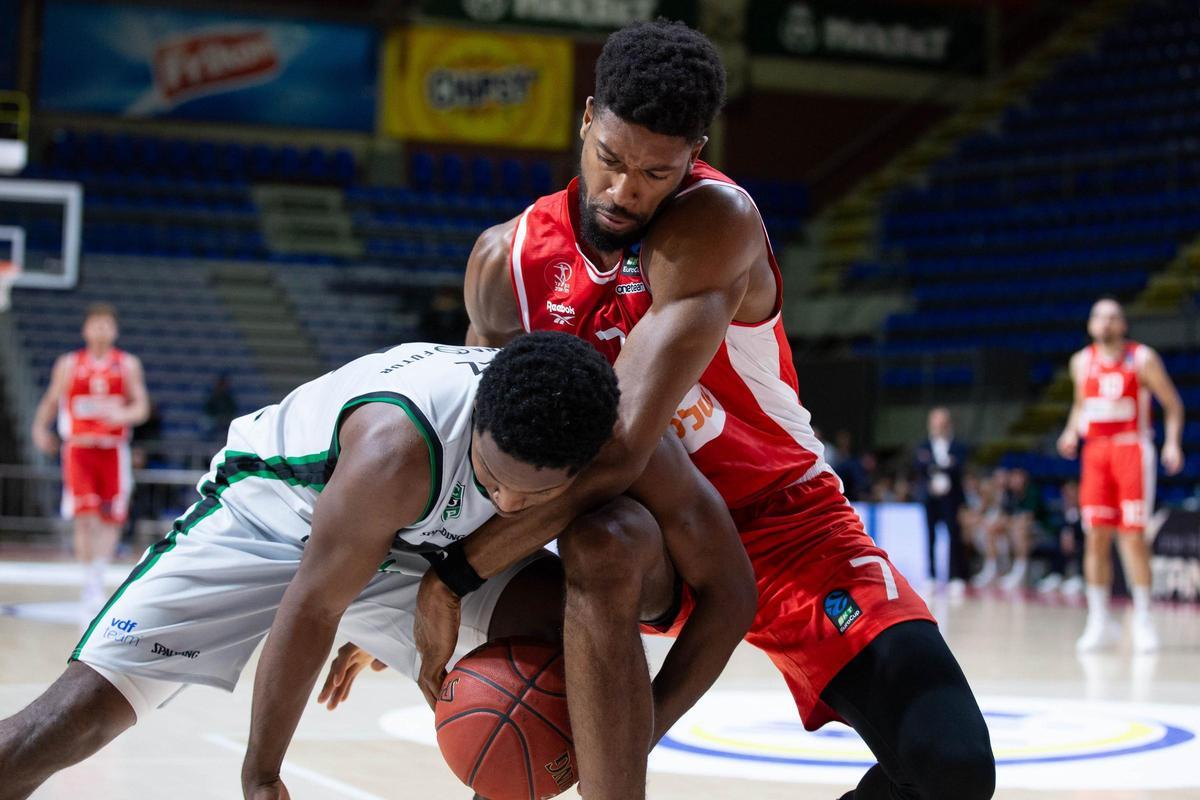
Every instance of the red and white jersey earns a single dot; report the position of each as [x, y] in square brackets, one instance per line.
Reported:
[743, 423]
[1114, 400]
[95, 389]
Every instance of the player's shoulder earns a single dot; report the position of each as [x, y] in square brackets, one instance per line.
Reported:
[712, 201]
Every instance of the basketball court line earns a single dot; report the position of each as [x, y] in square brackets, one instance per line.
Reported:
[291, 769]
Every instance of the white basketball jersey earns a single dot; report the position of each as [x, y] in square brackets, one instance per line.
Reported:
[291, 449]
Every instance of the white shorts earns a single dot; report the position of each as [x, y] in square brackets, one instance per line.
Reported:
[196, 606]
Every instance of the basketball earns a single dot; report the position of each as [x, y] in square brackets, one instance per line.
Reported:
[502, 721]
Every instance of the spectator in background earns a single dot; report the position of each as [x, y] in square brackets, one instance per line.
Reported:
[855, 481]
[1022, 505]
[1063, 544]
[220, 407]
[938, 471]
[991, 524]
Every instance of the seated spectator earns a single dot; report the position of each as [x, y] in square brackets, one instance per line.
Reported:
[1023, 505]
[220, 407]
[855, 481]
[1062, 545]
[991, 524]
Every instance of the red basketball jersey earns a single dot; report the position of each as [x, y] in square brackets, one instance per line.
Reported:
[743, 423]
[96, 388]
[1114, 400]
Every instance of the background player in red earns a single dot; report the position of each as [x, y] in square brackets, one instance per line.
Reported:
[663, 264]
[1114, 378]
[98, 394]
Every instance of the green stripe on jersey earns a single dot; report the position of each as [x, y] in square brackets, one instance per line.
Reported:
[419, 420]
[312, 471]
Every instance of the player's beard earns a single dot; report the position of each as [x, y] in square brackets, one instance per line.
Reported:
[603, 240]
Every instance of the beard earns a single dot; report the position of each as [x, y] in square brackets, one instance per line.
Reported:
[602, 240]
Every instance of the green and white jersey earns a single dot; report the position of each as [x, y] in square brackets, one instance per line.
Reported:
[291, 449]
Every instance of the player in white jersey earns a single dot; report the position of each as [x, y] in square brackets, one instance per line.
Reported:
[327, 509]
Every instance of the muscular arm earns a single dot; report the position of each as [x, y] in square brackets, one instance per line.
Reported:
[703, 544]
[137, 406]
[48, 406]
[381, 483]
[698, 262]
[1155, 376]
[1068, 442]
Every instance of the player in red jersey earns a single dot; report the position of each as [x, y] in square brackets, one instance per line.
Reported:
[98, 394]
[663, 264]
[1114, 378]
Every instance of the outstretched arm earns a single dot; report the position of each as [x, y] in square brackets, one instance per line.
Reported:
[43, 439]
[381, 483]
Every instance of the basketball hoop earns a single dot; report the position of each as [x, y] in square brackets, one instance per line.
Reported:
[9, 271]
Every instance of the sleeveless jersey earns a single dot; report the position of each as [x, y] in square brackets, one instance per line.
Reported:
[96, 388]
[1114, 400]
[293, 447]
[743, 423]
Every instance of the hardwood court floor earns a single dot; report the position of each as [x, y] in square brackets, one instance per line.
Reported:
[1109, 727]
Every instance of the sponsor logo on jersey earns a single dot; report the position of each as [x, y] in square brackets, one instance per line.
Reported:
[167, 652]
[558, 278]
[563, 313]
[121, 632]
[636, 287]
[841, 609]
[445, 534]
[630, 266]
[454, 508]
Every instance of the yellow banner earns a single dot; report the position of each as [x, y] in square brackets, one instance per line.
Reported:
[457, 85]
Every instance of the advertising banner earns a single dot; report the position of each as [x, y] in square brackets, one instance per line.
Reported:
[601, 16]
[924, 37]
[1176, 561]
[479, 87]
[138, 61]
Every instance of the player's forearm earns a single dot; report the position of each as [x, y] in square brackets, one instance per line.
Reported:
[1173, 424]
[43, 415]
[503, 541]
[295, 652]
[718, 622]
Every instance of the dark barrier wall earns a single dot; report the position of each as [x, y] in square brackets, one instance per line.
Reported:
[1176, 563]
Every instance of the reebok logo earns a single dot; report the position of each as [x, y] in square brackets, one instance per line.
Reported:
[563, 313]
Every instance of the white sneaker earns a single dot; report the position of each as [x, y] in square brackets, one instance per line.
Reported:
[1050, 584]
[986, 575]
[1072, 586]
[1015, 579]
[1098, 634]
[1145, 636]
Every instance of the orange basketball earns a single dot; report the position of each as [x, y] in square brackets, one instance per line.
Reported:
[502, 721]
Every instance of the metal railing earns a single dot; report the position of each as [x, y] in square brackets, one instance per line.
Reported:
[30, 500]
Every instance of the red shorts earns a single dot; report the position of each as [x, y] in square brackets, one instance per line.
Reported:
[825, 591]
[1116, 485]
[96, 480]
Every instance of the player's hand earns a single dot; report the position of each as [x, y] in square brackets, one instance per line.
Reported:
[1172, 458]
[273, 790]
[439, 612]
[351, 660]
[45, 441]
[1068, 445]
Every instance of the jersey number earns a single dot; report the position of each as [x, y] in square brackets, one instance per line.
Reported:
[889, 580]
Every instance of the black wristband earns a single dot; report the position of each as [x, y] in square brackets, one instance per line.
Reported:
[451, 565]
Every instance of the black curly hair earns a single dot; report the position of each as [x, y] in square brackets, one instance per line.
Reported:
[663, 76]
[548, 399]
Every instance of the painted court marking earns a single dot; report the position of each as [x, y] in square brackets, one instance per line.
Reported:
[291, 769]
